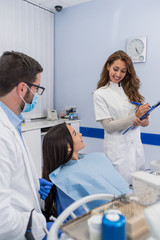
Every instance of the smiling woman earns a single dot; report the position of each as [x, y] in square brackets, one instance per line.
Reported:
[117, 88]
[77, 142]
[117, 71]
[75, 176]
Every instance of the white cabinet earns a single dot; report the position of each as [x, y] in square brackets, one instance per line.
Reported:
[32, 133]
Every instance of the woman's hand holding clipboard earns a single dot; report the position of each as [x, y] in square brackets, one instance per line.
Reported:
[151, 108]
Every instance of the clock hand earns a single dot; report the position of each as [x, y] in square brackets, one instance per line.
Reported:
[137, 50]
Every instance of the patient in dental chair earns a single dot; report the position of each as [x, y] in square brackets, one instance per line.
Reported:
[76, 176]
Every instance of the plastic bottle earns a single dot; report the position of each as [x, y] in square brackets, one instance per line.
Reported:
[113, 226]
[95, 227]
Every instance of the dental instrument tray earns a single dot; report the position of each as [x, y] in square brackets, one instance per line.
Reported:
[129, 207]
[148, 112]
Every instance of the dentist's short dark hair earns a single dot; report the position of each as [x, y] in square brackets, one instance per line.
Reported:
[16, 67]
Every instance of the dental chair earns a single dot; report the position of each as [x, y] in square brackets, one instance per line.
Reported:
[68, 201]
[52, 234]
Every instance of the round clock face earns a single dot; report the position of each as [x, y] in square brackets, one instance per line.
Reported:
[135, 48]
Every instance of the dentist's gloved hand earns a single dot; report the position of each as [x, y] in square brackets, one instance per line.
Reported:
[45, 187]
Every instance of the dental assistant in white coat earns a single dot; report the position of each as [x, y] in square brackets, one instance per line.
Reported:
[19, 184]
[117, 88]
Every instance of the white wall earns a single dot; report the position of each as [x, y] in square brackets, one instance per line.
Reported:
[30, 29]
[85, 36]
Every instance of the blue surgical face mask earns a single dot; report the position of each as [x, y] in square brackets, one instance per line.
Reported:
[30, 106]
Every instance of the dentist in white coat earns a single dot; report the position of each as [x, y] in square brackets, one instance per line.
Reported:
[19, 184]
[117, 88]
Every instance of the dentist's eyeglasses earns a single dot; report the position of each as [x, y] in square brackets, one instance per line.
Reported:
[40, 89]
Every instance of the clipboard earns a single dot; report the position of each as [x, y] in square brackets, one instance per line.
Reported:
[148, 112]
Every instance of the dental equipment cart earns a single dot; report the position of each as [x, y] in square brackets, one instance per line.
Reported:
[133, 206]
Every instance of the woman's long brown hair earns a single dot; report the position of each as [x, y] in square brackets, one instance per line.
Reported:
[55, 154]
[130, 83]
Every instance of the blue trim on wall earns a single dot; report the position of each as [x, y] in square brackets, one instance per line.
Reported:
[147, 138]
[151, 139]
[92, 132]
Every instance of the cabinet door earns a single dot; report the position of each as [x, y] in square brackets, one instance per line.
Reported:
[33, 141]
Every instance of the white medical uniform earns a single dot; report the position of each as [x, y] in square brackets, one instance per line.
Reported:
[125, 151]
[18, 186]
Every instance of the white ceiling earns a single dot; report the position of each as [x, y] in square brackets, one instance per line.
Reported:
[50, 4]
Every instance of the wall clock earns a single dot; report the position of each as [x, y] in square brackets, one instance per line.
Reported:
[136, 49]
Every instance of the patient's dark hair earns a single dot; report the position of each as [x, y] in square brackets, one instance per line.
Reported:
[55, 154]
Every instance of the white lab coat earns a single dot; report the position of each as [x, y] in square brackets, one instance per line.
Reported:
[125, 151]
[18, 186]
